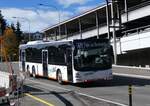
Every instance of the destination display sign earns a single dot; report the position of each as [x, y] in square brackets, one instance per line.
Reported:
[86, 44]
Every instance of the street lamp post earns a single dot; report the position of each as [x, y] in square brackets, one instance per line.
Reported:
[58, 15]
[28, 23]
[108, 17]
[113, 24]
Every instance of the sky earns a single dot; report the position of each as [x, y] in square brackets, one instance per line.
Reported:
[30, 13]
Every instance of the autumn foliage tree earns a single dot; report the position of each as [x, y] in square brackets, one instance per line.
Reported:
[10, 44]
[10, 38]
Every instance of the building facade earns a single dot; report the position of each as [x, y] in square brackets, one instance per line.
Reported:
[125, 22]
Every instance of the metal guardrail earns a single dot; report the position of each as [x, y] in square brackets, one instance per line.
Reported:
[138, 30]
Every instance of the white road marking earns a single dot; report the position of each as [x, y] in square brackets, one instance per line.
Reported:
[101, 99]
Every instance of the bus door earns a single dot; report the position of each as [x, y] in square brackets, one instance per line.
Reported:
[23, 59]
[45, 62]
[69, 64]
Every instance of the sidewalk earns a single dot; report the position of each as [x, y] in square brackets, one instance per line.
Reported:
[130, 71]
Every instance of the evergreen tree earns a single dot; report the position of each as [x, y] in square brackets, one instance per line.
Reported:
[18, 32]
[2, 23]
[13, 27]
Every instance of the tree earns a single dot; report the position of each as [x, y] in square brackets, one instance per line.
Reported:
[10, 40]
[18, 32]
[13, 27]
[10, 44]
[2, 23]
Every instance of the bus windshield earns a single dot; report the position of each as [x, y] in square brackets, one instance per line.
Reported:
[97, 56]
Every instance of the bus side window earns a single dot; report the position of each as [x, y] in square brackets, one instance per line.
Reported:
[22, 56]
[68, 56]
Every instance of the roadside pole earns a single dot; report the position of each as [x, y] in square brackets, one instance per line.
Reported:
[130, 94]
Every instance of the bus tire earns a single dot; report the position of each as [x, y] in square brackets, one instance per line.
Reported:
[33, 72]
[59, 77]
[28, 68]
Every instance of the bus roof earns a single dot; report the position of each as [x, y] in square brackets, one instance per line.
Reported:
[41, 44]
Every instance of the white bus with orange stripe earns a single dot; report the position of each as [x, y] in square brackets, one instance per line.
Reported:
[68, 61]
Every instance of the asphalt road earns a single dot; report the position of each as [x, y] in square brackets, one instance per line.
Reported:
[59, 95]
[86, 94]
[115, 90]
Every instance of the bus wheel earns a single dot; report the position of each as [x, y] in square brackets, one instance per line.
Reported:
[59, 77]
[33, 72]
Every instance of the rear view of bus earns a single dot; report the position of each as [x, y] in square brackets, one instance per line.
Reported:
[92, 60]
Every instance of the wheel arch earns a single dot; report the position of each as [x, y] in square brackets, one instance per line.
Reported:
[58, 70]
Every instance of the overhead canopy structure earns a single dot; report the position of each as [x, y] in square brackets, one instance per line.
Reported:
[92, 19]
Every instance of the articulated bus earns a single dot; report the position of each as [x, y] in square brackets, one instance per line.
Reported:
[76, 61]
